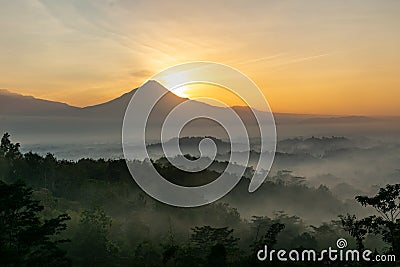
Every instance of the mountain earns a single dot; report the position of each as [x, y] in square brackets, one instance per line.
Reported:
[34, 120]
[113, 108]
[21, 105]
[16, 104]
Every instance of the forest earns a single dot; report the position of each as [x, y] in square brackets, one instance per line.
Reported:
[90, 212]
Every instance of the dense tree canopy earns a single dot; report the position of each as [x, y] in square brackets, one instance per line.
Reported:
[25, 238]
[111, 222]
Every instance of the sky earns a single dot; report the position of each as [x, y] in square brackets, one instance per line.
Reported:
[314, 57]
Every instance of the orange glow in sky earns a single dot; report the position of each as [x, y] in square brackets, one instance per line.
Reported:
[307, 57]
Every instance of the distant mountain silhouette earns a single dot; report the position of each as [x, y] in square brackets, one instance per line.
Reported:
[16, 104]
[43, 120]
[113, 108]
[343, 119]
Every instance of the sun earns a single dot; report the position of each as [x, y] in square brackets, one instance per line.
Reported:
[191, 83]
[176, 82]
[181, 91]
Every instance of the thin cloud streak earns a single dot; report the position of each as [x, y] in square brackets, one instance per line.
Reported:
[297, 60]
[261, 59]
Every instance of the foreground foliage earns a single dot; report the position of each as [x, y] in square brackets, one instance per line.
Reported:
[25, 238]
[111, 222]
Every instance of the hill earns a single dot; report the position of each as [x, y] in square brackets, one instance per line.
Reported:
[21, 105]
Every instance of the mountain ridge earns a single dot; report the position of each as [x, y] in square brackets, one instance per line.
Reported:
[7, 108]
[36, 120]
[17, 104]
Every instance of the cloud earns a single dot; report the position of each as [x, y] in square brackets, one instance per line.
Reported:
[261, 59]
[301, 59]
[142, 73]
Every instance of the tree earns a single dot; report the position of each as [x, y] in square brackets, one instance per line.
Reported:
[9, 158]
[26, 239]
[387, 203]
[217, 256]
[304, 241]
[269, 237]
[92, 246]
[205, 238]
[266, 231]
[170, 249]
[8, 149]
[358, 229]
[146, 255]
